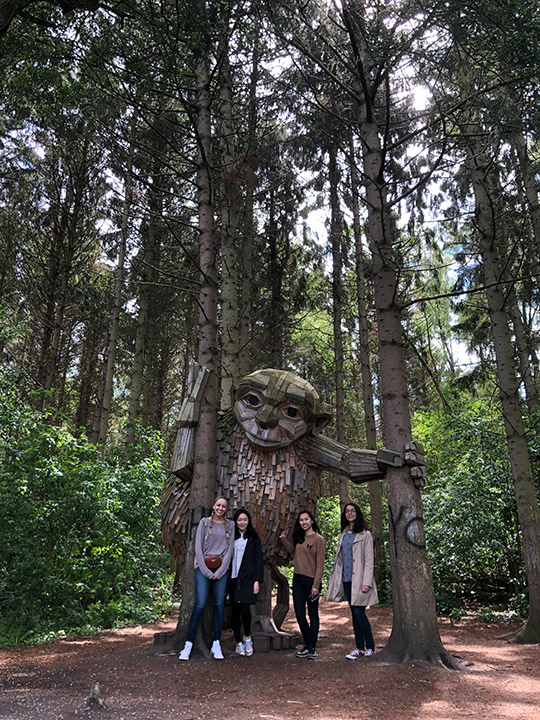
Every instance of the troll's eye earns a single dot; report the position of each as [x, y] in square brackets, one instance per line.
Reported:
[252, 400]
[292, 412]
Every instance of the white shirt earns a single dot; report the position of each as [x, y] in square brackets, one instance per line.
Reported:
[238, 554]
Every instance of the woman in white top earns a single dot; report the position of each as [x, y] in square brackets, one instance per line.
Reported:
[247, 573]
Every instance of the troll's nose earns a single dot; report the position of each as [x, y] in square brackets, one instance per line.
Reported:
[266, 418]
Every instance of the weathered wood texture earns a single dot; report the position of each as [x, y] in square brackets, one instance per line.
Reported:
[273, 484]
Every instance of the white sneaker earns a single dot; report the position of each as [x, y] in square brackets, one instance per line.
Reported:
[215, 651]
[241, 649]
[355, 654]
[369, 652]
[248, 642]
[186, 652]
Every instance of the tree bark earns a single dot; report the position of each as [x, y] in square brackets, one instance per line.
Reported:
[415, 633]
[375, 504]
[527, 503]
[104, 402]
[231, 200]
[149, 309]
[275, 333]
[527, 176]
[248, 225]
[337, 297]
[137, 372]
[204, 468]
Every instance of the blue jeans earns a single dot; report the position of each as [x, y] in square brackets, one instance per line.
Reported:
[301, 592]
[202, 588]
[361, 625]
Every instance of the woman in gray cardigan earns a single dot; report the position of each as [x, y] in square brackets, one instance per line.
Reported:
[215, 538]
[352, 577]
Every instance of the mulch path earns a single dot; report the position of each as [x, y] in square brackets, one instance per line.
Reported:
[139, 681]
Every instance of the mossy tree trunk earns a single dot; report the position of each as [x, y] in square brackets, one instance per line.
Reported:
[481, 167]
[415, 633]
[375, 504]
[204, 467]
[337, 300]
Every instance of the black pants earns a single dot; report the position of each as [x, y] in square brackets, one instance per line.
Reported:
[240, 614]
[301, 592]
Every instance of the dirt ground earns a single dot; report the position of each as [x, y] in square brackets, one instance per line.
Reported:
[139, 680]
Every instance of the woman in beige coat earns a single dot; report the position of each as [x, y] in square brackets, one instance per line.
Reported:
[352, 577]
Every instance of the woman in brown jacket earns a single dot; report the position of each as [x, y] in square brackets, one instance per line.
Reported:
[308, 549]
[352, 577]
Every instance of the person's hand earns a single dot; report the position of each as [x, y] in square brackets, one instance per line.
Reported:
[256, 587]
[366, 588]
[283, 535]
[314, 590]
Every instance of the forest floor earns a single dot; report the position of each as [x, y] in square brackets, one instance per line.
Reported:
[141, 681]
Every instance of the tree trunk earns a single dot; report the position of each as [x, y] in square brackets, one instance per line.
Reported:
[275, 340]
[51, 357]
[522, 350]
[137, 372]
[204, 468]
[248, 231]
[527, 504]
[149, 308]
[231, 198]
[156, 298]
[65, 237]
[415, 633]
[375, 504]
[105, 400]
[86, 371]
[528, 180]
[337, 297]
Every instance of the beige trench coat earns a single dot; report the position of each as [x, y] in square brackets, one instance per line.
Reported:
[362, 572]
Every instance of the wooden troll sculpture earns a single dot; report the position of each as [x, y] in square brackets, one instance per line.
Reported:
[270, 456]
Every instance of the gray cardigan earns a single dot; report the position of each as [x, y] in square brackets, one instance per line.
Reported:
[214, 543]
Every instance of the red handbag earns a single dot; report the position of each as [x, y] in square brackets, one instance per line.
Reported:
[212, 562]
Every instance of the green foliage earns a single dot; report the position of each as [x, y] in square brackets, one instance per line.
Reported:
[491, 616]
[469, 508]
[328, 518]
[79, 542]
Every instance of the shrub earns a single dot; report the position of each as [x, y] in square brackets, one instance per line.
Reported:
[470, 515]
[79, 534]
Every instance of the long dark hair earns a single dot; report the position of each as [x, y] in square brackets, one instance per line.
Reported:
[250, 530]
[298, 533]
[359, 524]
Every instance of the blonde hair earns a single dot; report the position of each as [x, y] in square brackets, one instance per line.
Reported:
[219, 497]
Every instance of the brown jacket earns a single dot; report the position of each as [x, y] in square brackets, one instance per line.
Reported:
[362, 572]
[308, 556]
